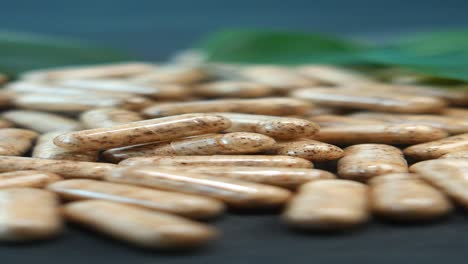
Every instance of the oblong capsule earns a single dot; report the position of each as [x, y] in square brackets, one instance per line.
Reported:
[172, 74]
[46, 149]
[64, 168]
[220, 160]
[182, 204]
[40, 121]
[214, 144]
[27, 178]
[263, 106]
[456, 155]
[15, 141]
[28, 214]
[309, 149]
[233, 192]
[236, 89]
[328, 205]
[108, 117]
[273, 126]
[138, 226]
[159, 129]
[328, 120]
[437, 148]
[331, 75]
[455, 112]
[365, 161]
[405, 197]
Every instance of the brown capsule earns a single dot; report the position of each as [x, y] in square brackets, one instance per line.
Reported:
[108, 117]
[309, 149]
[213, 144]
[15, 141]
[236, 89]
[322, 110]
[232, 191]
[138, 226]
[5, 123]
[437, 148]
[405, 197]
[328, 205]
[172, 74]
[365, 161]
[46, 149]
[27, 178]
[40, 121]
[220, 160]
[28, 214]
[182, 204]
[7, 98]
[456, 155]
[332, 75]
[455, 112]
[140, 132]
[341, 121]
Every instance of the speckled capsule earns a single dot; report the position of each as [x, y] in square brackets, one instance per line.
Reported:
[235, 89]
[405, 197]
[170, 202]
[456, 155]
[172, 74]
[46, 149]
[138, 226]
[365, 161]
[15, 141]
[28, 214]
[40, 121]
[108, 117]
[437, 148]
[232, 191]
[140, 132]
[213, 144]
[309, 149]
[328, 205]
[341, 121]
[327, 74]
[27, 178]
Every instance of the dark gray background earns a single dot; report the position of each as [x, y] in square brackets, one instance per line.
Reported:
[155, 29]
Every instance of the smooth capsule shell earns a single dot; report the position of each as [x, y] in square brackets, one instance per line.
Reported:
[328, 205]
[108, 117]
[272, 126]
[15, 141]
[328, 120]
[213, 144]
[172, 74]
[262, 106]
[456, 155]
[234, 89]
[46, 149]
[170, 202]
[220, 160]
[27, 178]
[309, 149]
[40, 121]
[438, 148]
[406, 197]
[140, 132]
[232, 191]
[455, 112]
[28, 214]
[365, 161]
[64, 168]
[138, 226]
[327, 74]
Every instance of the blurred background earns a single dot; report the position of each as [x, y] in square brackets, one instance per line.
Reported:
[156, 29]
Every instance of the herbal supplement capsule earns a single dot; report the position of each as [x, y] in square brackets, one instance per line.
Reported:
[273, 126]
[456, 155]
[40, 121]
[234, 192]
[262, 106]
[28, 214]
[15, 141]
[309, 149]
[172, 74]
[236, 89]
[370, 100]
[108, 117]
[365, 161]
[64, 168]
[220, 160]
[331, 75]
[159, 129]
[447, 175]
[380, 133]
[27, 178]
[437, 148]
[341, 121]
[328, 205]
[46, 149]
[405, 197]
[455, 112]
[182, 204]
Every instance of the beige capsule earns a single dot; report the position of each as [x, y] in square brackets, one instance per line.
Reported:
[64, 168]
[332, 75]
[220, 160]
[232, 191]
[108, 117]
[5, 123]
[309, 149]
[172, 74]
[455, 112]
[329, 205]
[46, 149]
[182, 204]
[27, 178]
[273, 126]
[263, 106]
[437, 148]
[365, 161]
[213, 144]
[7, 98]
[341, 121]
[15, 141]
[406, 197]
[236, 89]
[370, 100]
[28, 214]
[140, 132]
[456, 155]
[322, 110]
[40, 121]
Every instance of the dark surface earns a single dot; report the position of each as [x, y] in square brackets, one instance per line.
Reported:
[155, 29]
